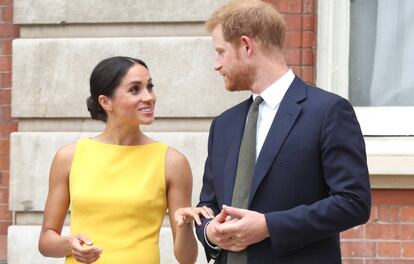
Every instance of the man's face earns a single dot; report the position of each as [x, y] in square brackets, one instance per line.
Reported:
[237, 73]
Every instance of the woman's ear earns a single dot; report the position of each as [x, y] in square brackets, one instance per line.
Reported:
[105, 102]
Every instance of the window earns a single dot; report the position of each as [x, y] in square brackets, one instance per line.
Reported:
[366, 54]
[381, 59]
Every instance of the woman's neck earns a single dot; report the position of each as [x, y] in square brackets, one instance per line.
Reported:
[123, 135]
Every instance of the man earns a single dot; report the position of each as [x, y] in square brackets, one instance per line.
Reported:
[286, 169]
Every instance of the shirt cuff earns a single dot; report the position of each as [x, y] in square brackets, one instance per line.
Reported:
[209, 244]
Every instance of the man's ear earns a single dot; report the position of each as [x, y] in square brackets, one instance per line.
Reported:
[247, 44]
[105, 102]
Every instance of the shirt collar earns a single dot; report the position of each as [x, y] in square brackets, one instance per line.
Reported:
[274, 94]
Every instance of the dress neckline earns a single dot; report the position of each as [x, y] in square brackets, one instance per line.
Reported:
[121, 146]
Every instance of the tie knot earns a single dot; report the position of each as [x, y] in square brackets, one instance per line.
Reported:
[257, 101]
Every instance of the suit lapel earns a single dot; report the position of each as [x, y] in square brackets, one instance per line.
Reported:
[236, 130]
[284, 120]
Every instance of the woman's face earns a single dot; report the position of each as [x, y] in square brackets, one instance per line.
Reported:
[134, 100]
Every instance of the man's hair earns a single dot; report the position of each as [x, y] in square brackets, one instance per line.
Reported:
[252, 18]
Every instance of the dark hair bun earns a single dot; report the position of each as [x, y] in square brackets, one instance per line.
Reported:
[95, 109]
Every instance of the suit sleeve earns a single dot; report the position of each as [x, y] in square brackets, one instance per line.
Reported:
[208, 197]
[344, 166]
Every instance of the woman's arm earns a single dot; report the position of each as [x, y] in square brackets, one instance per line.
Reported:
[179, 188]
[51, 243]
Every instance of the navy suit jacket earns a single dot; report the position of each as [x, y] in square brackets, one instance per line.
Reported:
[310, 180]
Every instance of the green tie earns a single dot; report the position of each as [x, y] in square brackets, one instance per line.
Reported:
[245, 170]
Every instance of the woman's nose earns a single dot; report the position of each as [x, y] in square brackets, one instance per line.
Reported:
[147, 95]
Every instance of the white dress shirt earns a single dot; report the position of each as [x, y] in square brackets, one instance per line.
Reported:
[272, 96]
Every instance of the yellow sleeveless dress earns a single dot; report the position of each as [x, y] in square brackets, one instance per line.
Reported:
[118, 199]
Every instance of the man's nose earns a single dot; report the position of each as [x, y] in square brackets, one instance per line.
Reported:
[217, 65]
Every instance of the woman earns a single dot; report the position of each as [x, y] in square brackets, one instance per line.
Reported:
[119, 183]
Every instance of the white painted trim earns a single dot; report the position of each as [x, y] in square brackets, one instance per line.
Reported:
[391, 146]
[333, 46]
[390, 155]
[386, 121]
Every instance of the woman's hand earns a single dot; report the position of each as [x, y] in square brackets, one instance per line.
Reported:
[84, 254]
[188, 214]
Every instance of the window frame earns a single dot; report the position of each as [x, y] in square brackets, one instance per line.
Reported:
[388, 131]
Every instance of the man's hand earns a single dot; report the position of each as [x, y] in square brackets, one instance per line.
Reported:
[235, 229]
[221, 239]
[245, 228]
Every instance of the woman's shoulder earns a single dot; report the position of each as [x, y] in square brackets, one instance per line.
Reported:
[175, 157]
[62, 163]
[176, 162]
[65, 153]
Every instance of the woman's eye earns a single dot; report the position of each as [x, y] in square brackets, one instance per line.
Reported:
[134, 89]
[150, 87]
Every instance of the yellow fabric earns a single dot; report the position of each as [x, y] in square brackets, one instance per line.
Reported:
[118, 199]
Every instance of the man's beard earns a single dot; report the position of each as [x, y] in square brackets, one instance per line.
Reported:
[240, 78]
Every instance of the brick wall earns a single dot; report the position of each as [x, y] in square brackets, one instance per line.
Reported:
[388, 237]
[8, 32]
[300, 45]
